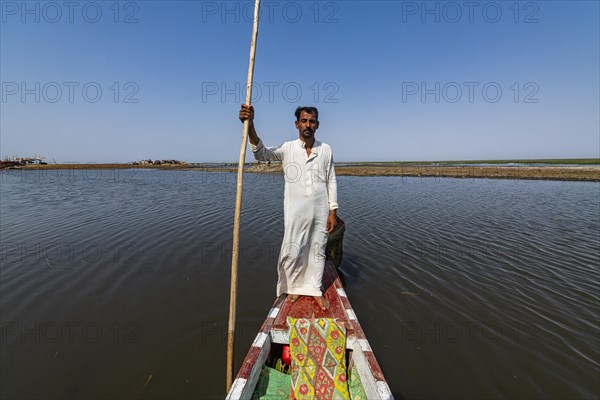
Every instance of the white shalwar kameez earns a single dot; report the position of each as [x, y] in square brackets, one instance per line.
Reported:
[310, 194]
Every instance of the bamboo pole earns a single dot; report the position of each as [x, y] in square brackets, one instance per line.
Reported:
[238, 206]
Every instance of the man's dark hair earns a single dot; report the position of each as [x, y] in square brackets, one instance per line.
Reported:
[309, 110]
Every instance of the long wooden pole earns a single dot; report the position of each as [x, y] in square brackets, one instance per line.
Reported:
[238, 206]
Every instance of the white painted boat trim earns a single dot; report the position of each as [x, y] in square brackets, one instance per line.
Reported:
[235, 392]
[274, 312]
[350, 314]
[342, 292]
[351, 342]
[366, 375]
[384, 391]
[280, 337]
[364, 345]
[260, 339]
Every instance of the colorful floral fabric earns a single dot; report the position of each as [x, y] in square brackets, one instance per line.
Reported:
[318, 349]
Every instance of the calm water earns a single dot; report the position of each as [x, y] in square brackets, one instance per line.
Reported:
[115, 284]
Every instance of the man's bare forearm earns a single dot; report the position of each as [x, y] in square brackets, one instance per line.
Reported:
[252, 136]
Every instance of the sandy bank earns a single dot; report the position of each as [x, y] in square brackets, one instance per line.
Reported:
[564, 173]
[574, 173]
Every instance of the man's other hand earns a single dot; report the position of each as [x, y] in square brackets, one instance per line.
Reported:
[331, 222]
[246, 113]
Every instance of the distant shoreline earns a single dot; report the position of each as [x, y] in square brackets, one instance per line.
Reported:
[559, 161]
[566, 170]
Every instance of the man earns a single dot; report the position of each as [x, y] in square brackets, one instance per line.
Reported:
[310, 204]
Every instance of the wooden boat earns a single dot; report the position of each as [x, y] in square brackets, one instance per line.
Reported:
[273, 334]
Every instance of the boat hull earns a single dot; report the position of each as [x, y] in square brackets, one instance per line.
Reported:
[275, 330]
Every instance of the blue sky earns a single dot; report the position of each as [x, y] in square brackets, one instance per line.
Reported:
[110, 81]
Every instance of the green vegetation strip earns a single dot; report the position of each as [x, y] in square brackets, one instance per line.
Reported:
[559, 161]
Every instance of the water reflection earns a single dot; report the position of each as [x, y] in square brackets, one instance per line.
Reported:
[466, 288]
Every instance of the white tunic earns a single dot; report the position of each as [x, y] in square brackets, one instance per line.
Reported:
[310, 193]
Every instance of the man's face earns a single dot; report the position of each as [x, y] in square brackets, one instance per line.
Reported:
[307, 125]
